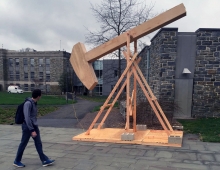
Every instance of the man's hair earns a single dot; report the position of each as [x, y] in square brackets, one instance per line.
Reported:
[36, 93]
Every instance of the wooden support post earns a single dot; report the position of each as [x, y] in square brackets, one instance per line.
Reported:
[113, 103]
[128, 85]
[135, 95]
[111, 94]
[154, 99]
[151, 103]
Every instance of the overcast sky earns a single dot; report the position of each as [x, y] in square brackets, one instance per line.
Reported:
[51, 25]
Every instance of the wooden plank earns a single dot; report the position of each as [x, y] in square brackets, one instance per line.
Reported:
[143, 29]
[113, 135]
[115, 99]
[111, 94]
[135, 103]
[82, 68]
[151, 103]
[152, 95]
[128, 84]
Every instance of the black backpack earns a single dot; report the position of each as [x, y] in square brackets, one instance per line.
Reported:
[19, 115]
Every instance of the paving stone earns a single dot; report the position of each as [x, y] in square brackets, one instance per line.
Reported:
[184, 156]
[126, 160]
[170, 160]
[85, 166]
[78, 156]
[214, 167]
[163, 154]
[189, 166]
[96, 149]
[161, 168]
[217, 157]
[83, 148]
[150, 153]
[205, 157]
[215, 148]
[198, 147]
[120, 151]
[137, 152]
[151, 163]
[119, 164]
[102, 167]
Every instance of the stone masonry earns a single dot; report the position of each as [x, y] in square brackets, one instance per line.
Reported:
[207, 74]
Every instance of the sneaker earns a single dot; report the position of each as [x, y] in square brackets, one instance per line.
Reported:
[48, 162]
[18, 164]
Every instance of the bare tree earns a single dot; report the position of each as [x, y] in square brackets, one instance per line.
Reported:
[116, 17]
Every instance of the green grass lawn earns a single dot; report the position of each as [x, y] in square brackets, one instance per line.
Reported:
[7, 113]
[10, 101]
[207, 128]
[16, 99]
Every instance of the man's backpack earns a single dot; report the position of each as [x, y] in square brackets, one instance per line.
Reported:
[19, 115]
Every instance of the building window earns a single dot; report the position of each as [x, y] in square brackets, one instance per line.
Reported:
[32, 65]
[41, 86]
[48, 76]
[41, 76]
[32, 87]
[47, 61]
[115, 73]
[32, 75]
[25, 76]
[17, 61]
[25, 61]
[11, 62]
[41, 61]
[25, 87]
[17, 77]
[11, 75]
[98, 90]
[98, 73]
[41, 68]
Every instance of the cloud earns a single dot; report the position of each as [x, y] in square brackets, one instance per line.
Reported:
[43, 24]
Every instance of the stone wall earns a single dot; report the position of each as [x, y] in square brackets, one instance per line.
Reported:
[206, 101]
[163, 51]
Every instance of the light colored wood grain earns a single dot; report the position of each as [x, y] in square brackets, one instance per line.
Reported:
[141, 30]
[82, 68]
[113, 135]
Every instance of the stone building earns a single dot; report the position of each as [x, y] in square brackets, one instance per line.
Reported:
[184, 68]
[31, 69]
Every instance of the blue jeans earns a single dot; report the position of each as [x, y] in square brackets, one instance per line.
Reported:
[26, 134]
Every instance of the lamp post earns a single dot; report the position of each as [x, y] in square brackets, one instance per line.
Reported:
[66, 78]
[45, 77]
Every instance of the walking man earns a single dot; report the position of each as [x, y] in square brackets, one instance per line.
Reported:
[30, 129]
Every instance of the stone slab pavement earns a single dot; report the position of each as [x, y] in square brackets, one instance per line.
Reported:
[76, 155]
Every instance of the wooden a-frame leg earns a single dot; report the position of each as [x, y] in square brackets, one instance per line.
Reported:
[152, 96]
[135, 94]
[112, 105]
[151, 103]
[111, 94]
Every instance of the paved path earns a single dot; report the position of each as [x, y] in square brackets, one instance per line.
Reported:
[74, 155]
[68, 115]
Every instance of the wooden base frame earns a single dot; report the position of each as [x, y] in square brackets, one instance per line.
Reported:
[148, 137]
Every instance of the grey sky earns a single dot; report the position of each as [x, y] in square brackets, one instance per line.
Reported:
[41, 24]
